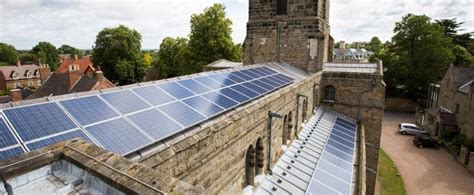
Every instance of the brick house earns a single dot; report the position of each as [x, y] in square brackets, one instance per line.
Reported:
[73, 80]
[451, 104]
[21, 75]
[84, 64]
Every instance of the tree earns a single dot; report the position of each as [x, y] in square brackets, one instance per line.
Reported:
[423, 51]
[451, 28]
[47, 53]
[375, 45]
[463, 57]
[8, 54]
[28, 58]
[210, 37]
[172, 59]
[67, 49]
[147, 59]
[117, 52]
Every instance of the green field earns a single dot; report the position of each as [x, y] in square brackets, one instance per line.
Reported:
[390, 181]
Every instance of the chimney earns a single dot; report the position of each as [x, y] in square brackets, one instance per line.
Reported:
[44, 72]
[75, 57]
[73, 74]
[16, 95]
[18, 62]
[99, 75]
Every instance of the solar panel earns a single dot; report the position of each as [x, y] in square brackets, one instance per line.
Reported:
[243, 76]
[204, 106]
[268, 70]
[125, 101]
[181, 113]
[220, 100]
[194, 86]
[254, 87]
[270, 82]
[257, 72]
[317, 187]
[153, 95]
[12, 152]
[234, 95]
[262, 85]
[176, 90]
[245, 91]
[155, 124]
[87, 110]
[32, 122]
[250, 73]
[119, 136]
[58, 138]
[223, 78]
[6, 136]
[208, 82]
[236, 78]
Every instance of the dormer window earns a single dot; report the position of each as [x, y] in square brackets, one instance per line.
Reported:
[29, 75]
[15, 75]
[37, 73]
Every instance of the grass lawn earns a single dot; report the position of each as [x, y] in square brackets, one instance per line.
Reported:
[390, 182]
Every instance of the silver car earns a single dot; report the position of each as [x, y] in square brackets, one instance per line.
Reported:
[408, 128]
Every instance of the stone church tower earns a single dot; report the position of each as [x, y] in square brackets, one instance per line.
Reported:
[295, 32]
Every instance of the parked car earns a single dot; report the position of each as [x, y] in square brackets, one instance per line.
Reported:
[423, 140]
[408, 128]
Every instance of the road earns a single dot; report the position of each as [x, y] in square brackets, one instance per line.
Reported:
[424, 171]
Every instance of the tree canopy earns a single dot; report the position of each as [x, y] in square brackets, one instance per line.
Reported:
[117, 52]
[67, 49]
[47, 53]
[8, 54]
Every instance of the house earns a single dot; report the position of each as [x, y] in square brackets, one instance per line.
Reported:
[73, 80]
[85, 64]
[22, 75]
[351, 55]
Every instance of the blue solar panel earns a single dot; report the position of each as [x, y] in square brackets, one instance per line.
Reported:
[335, 170]
[194, 86]
[344, 130]
[340, 146]
[233, 76]
[176, 90]
[58, 138]
[245, 91]
[12, 152]
[220, 100]
[118, 136]
[243, 76]
[268, 70]
[270, 82]
[181, 113]
[88, 110]
[234, 95]
[316, 188]
[223, 78]
[254, 87]
[333, 182]
[257, 72]
[276, 80]
[284, 78]
[153, 94]
[208, 82]
[250, 73]
[39, 120]
[262, 85]
[203, 106]
[338, 153]
[155, 124]
[6, 136]
[340, 120]
[125, 101]
[342, 134]
[342, 141]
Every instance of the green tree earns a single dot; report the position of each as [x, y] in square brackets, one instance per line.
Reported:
[172, 59]
[210, 37]
[67, 49]
[118, 52]
[28, 58]
[47, 53]
[423, 51]
[451, 29]
[463, 57]
[375, 45]
[8, 54]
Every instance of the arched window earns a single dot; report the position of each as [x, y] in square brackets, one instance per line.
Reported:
[282, 7]
[260, 157]
[305, 110]
[290, 125]
[330, 93]
[250, 166]
[15, 75]
[284, 136]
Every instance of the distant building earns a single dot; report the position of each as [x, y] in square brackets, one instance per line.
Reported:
[222, 64]
[18, 76]
[351, 55]
[83, 63]
[74, 80]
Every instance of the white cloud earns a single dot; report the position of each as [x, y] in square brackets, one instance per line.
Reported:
[23, 23]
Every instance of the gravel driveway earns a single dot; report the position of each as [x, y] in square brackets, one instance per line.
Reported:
[424, 171]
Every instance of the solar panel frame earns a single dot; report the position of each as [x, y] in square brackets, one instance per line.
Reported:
[176, 90]
[124, 101]
[11, 152]
[154, 123]
[7, 137]
[194, 86]
[88, 109]
[158, 96]
[204, 106]
[180, 112]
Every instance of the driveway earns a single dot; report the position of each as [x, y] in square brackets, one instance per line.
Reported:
[424, 171]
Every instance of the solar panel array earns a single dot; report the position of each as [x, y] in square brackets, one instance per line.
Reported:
[333, 174]
[315, 162]
[126, 120]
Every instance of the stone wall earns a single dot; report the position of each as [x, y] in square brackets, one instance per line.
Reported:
[349, 87]
[212, 156]
[400, 105]
[300, 37]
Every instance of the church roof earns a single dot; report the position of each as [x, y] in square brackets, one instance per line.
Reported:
[121, 119]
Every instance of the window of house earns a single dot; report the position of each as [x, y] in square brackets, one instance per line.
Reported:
[330, 93]
[284, 135]
[28, 75]
[30, 83]
[304, 113]
[260, 157]
[250, 166]
[15, 75]
[39, 82]
[282, 6]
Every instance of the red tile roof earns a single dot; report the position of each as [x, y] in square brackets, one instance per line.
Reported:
[82, 62]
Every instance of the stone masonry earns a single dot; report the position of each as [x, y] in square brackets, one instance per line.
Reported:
[371, 89]
[300, 37]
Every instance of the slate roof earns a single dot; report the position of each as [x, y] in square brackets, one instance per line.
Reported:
[463, 75]
[83, 63]
[8, 71]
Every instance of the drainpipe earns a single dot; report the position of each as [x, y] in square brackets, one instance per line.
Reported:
[270, 116]
[297, 111]
[374, 84]
[279, 42]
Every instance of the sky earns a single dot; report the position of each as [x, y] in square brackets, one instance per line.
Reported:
[24, 23]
